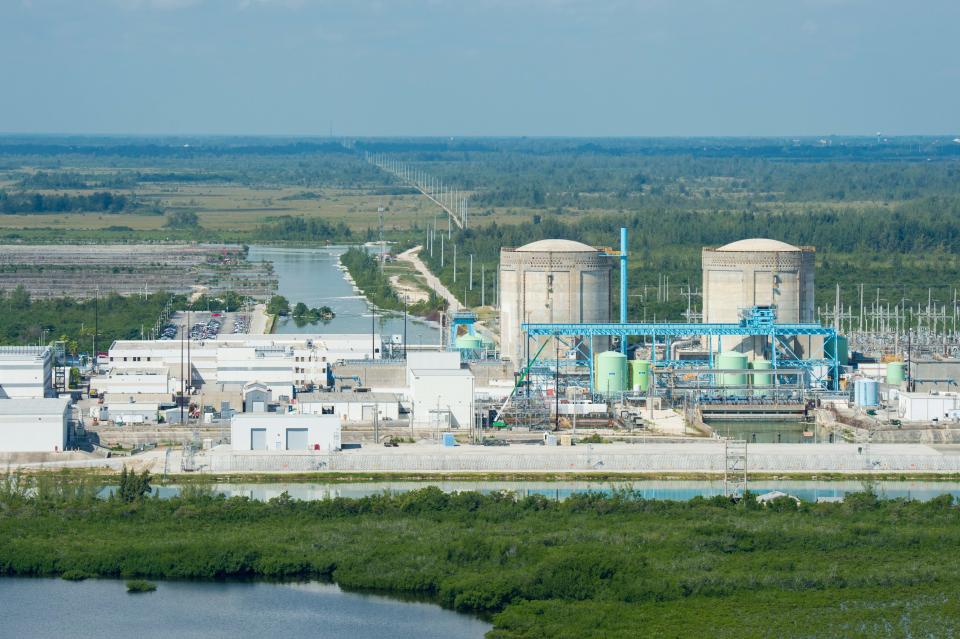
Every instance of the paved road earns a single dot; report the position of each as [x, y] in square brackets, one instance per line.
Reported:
[413, 256]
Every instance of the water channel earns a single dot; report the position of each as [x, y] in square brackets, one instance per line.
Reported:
[99, 608]
[312, 276]
[807, 490]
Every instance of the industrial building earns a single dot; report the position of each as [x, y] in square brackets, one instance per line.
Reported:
[285, 432]
[282, 362]
[550, 281]
[26, 372]
[758, 272]
[442, 398]
[351, 407]
[34, 425]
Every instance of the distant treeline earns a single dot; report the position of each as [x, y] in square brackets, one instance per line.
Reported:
[55, 180]
[34, 203]
[299, 229]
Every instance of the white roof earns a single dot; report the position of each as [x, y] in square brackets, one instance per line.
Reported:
[45, 406]
[556, 246]
[759, 244]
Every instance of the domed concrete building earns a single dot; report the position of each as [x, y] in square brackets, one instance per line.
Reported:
[559, 281]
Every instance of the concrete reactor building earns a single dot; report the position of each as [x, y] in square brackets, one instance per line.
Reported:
[758, 272]
[558, 281]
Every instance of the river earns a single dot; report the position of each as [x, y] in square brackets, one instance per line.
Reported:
[101, 608]
[311, 276]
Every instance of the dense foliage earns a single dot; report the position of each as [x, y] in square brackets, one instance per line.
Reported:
[591, 566]
[365, 270]
[26, 320]
[34, 203]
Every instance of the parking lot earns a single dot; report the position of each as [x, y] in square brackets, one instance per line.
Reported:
[205, 325]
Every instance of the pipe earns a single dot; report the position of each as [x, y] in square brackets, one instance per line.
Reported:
[623, 284]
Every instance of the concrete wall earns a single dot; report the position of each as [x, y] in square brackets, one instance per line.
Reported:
[322, 430]
[373, 376]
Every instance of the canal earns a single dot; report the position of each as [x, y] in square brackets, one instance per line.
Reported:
[312, 276]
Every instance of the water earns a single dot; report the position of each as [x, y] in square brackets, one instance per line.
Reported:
[311, 276]
[99, 609]
[682, 490]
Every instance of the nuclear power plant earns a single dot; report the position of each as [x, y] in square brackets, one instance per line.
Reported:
[550, 281]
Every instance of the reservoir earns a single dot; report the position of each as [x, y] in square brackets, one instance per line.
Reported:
[101, 608]
[312, 276]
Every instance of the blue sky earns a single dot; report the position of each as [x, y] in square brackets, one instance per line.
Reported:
[481, 67]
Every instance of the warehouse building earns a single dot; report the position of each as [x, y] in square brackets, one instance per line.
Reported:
[26, 372]
[34, 425]
[925, 407]
[351, 407]
[284, 432]
[442, 398]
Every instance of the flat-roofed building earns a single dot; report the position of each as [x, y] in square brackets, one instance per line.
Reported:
[26, 372]
[34, 425]
[284, 432]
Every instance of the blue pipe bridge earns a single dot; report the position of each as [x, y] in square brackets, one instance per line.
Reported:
[577, 342]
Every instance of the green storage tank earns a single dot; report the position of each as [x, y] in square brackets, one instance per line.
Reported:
[838, 348]
[762, 381]
[610, 373]
[732, 359]
[640, 374]
[469, 342]
[895, 373]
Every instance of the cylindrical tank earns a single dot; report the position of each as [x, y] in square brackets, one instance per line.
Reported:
[733, 360]
[762, 381]
[869, 392]
[895, 373]
[550, 281]
[837, 348]
[640, 374]
[759, 272]
[610, 374]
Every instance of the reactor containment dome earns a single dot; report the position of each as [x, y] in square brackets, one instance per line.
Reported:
[555, 281]
[758, 272]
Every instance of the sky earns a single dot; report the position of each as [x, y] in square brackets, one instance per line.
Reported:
[480, 67]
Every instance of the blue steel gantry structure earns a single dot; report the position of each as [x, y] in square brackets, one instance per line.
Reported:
[756, 322]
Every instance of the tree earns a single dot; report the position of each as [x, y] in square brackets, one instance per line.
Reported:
[20, 298]
[300, 310]
[278, 305]
[133, 487]
[182, 220]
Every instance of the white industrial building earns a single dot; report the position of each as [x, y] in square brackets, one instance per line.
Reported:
[351, 407]
[282, 362]
[285, 432]
[26, 372]
[925, 407]
[442, 398]
[34, 425]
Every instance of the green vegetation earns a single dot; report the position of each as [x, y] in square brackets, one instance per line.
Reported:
[278, 305]
[304, 315]
[590, 566]
[182, 220]
[25, 320]
[38, 203]
[140, 585]
[365, 270]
